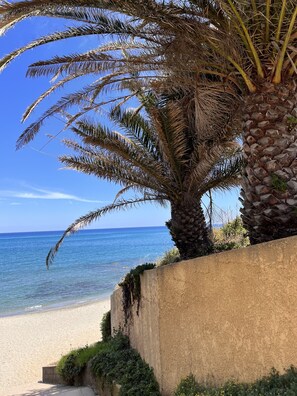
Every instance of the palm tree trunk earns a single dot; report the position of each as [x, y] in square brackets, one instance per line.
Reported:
[188, 229]
[269, 188]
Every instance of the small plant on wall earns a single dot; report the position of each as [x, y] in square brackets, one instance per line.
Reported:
[131, 287]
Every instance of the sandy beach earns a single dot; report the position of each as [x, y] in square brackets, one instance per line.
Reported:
[28, 342]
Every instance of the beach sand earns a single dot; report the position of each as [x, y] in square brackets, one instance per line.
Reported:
[28, 342]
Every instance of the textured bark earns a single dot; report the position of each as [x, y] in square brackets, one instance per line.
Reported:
[188, 229]
[269, 188]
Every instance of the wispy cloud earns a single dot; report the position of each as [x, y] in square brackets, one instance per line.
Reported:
[44, 194]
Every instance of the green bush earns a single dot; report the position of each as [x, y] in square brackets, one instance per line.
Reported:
[169, 257]
[71, 366]
[231, 236]
[113, 360]
[68, 369]
[105, 326]
[275, 384]
[124, 365]
[188, 387]
[233, 228]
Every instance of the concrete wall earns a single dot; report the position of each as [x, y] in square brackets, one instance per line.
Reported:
[231, 315]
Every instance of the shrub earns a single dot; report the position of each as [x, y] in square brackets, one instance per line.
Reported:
[275, 384]
[105, 326]
[234, 228]
[124, 365]
[114, 361]
[71, 366]
[169, 257]
[188, 387]
[231, 236]
[68, 369]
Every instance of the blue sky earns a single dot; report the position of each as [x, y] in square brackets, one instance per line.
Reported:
[35, 193]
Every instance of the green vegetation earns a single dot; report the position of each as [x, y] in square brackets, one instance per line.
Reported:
[231, 236]
[124, 365]
[131, 287]
[169, 257]
[278, 183]
[292, 121]
[188, 387]
[275, 384]
[113, 361]
[71, 366]
[105, 326]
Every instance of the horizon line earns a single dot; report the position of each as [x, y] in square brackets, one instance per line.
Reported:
[84, 229]
[96, 229]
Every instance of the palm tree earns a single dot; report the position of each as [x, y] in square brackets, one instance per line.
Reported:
[247, 47]
[259, 51]
[157, 156]
[195, 154]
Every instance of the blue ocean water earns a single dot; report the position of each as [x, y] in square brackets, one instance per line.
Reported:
[88, 265]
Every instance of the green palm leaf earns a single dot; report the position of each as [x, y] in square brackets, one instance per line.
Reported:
[85, 220]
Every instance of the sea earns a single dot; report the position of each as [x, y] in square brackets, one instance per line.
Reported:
[87, 267]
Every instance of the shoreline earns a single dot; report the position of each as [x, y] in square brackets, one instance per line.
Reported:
[35, 339]
[58, 306]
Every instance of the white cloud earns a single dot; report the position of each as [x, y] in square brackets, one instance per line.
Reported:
[44, 194]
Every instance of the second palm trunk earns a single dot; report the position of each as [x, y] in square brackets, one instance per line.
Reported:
[270, 148]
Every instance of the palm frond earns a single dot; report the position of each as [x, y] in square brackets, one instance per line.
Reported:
[85, 220]
[11, 13]
[121, 145]
[205, 161]
[170, 129]
[138, 128]
[63, 104]
[53, 88]
[214, 108]
[108, 168]
[226, 173]
[105, 25]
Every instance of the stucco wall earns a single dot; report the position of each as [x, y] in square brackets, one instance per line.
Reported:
[231, 315]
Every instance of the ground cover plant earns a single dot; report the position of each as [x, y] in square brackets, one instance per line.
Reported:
[112, 361]
[275, 384]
